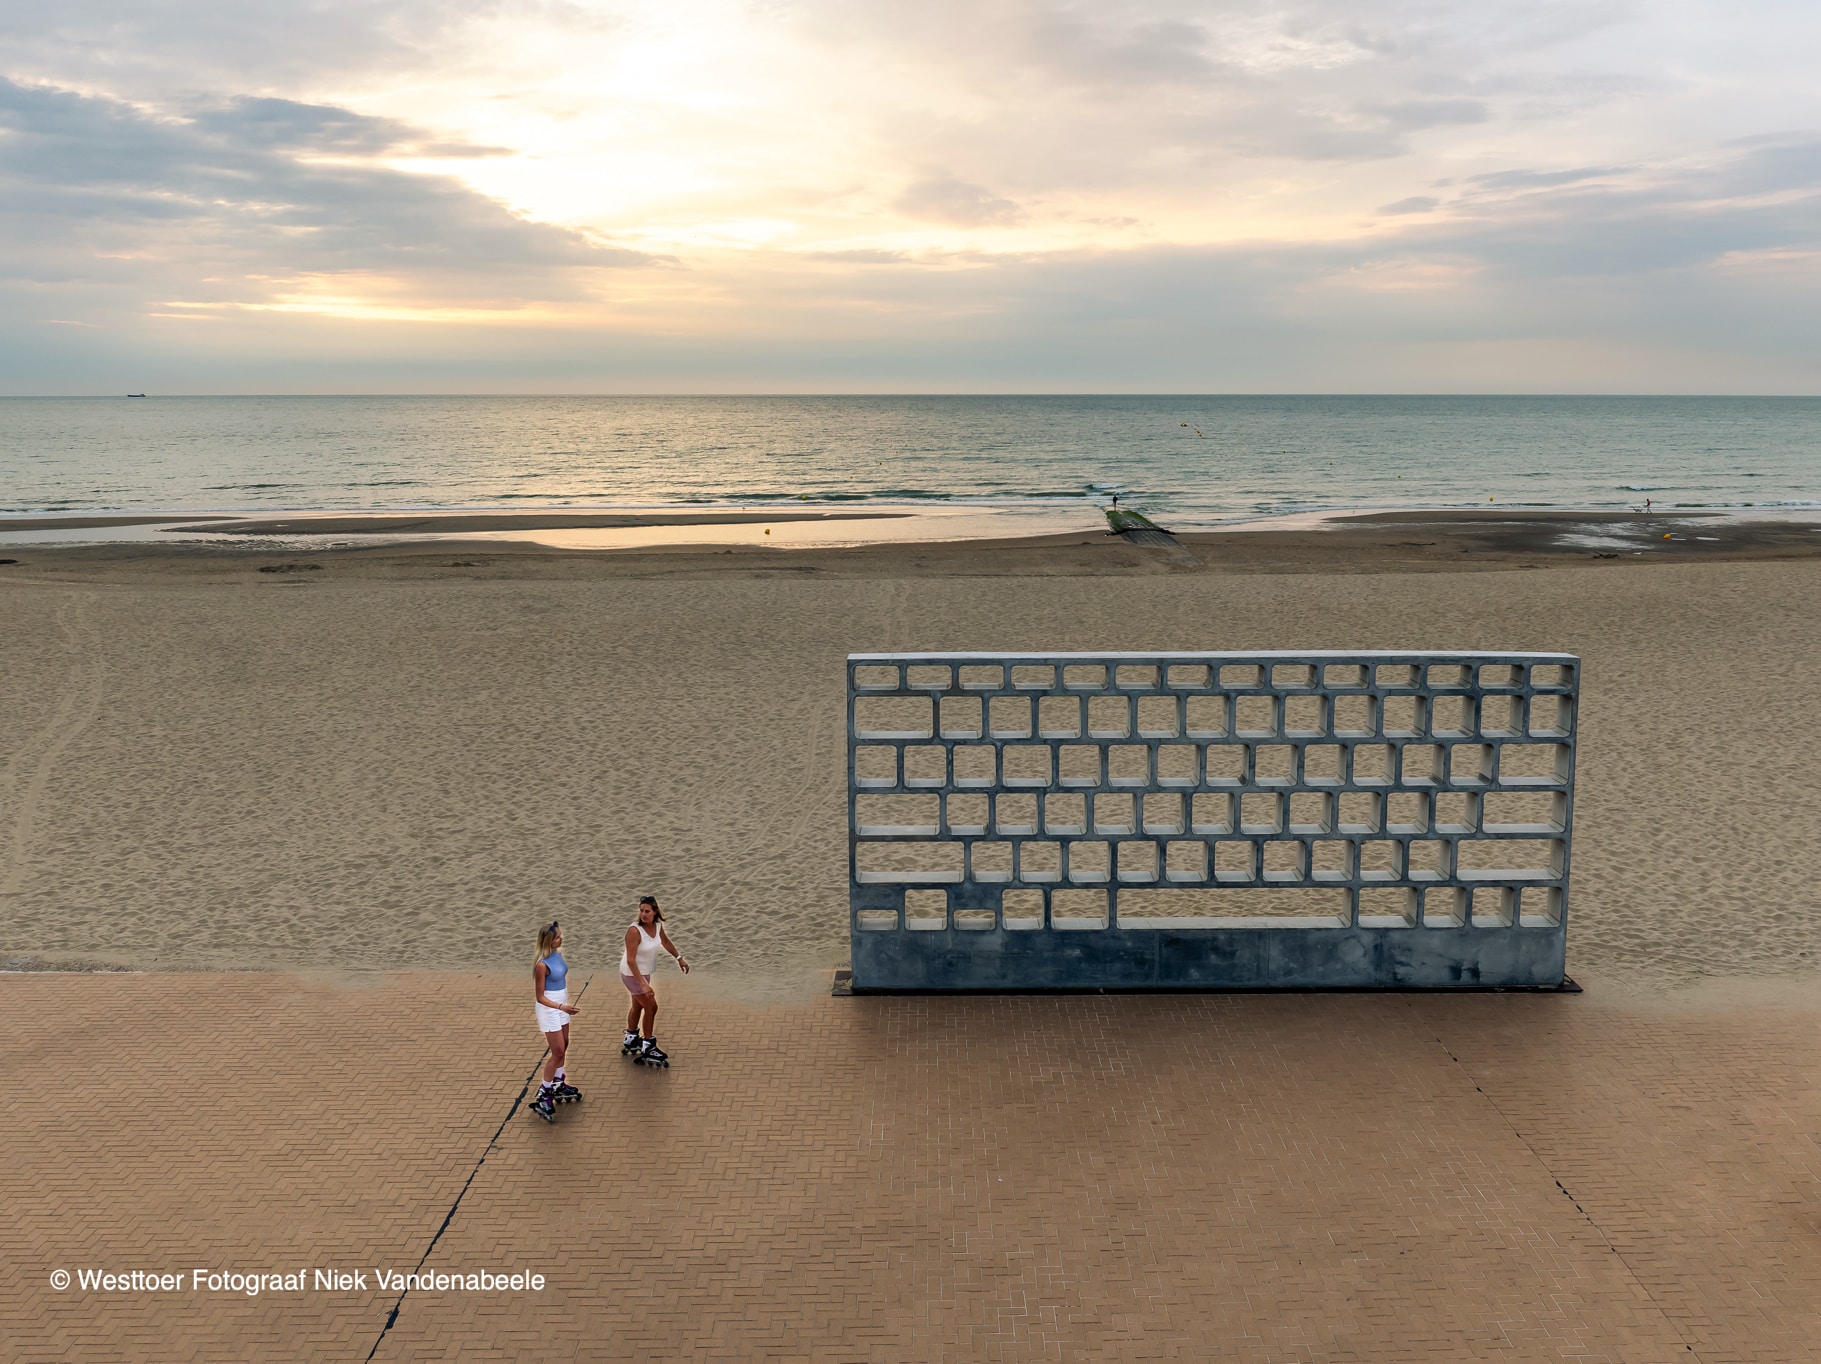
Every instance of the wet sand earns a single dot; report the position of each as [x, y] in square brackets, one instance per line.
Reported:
[91, 522]
[405, 756]
[466, 523]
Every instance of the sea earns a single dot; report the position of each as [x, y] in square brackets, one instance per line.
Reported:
[1187, 461]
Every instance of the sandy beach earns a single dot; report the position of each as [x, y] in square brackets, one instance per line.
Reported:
[322, 800]
[403, 756]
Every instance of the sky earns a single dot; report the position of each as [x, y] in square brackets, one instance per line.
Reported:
[357, 196]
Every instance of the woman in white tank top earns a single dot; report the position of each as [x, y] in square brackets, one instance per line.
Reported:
[643, 939]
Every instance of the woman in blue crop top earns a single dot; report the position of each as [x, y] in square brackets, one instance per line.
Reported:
[550, 991]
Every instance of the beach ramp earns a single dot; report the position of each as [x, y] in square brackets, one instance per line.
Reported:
[1172, 821]
[1137, 529]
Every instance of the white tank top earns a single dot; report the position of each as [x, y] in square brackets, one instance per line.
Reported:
[648, 952]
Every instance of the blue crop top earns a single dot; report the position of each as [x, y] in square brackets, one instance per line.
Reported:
[556, 975]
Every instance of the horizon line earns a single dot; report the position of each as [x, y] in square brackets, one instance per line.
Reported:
[916, 393]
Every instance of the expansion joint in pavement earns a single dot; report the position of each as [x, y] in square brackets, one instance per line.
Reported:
[448, 1217]
[1543, 1164]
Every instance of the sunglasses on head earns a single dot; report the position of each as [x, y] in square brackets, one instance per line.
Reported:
[552, 927]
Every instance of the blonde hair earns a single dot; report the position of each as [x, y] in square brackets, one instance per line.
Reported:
[546, 941]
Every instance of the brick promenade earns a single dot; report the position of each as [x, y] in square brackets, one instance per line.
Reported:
[1250, 1178]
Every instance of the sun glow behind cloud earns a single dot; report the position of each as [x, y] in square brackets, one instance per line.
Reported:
[709, 125]
[1002, 192]
[723, 125]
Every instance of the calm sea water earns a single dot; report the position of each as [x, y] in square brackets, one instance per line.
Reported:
[1194, 460]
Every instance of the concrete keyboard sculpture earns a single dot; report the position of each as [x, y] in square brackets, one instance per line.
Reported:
[1175, 820]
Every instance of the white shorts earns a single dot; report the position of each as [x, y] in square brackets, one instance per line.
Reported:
[552, 1020]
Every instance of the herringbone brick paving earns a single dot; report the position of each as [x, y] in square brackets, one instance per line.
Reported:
[1239, 1177]
[1693, 1141]
[234, 1122]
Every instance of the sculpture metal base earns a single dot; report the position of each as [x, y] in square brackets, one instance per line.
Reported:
[1205, 959]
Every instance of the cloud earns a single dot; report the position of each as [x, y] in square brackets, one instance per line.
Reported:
[1092, 52]
[147, 49]
[1755, 196]
[859, 257]
[1046, 95]
[1678, 275]
[229, 203]
[944, 199]
[1534, 179]
[1095, 186]
[287, 125]
[1414, 114]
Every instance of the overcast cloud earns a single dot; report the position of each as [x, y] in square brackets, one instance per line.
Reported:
[1315, 195]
